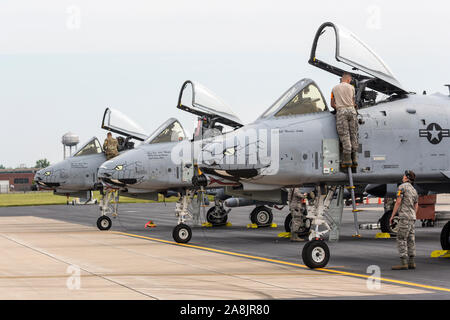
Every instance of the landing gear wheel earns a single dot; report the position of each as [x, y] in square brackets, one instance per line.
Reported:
[182, 233]
[287, 223]
[104, 223]
[315, 254]
[216, 218]
[386, 227]
[261, 216]
[304, 229]
[445, 237]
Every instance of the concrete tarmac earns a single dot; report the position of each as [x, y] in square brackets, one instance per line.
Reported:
[47, 247]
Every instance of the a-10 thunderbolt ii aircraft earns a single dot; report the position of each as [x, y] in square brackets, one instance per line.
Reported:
[398, 131]
[158, 164]
[76, 175]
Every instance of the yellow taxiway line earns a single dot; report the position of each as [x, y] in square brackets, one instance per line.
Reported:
[412, 284]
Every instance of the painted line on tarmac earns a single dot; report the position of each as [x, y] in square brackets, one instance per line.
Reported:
[344, 273]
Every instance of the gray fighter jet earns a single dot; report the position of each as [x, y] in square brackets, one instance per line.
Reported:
[295, 143]
[77, 175]
[163, 163]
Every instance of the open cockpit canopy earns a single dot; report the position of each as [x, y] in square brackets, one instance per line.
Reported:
[170, 131]
[334, 42]
[199, 100]
[93, 146]
[115, 121]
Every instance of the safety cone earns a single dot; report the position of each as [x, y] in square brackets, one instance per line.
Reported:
[367, 200]
[379, 200]
[150, 224]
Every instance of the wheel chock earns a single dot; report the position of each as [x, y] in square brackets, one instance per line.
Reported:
[357, 210]
[440, 254]
[356, 236]
[210, 225]
[255, 226]
[150, 224]
[284, 235]
[381, 235]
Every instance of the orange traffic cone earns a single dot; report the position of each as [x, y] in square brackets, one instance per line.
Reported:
[150, 224]
[367, 200]
[379, 200]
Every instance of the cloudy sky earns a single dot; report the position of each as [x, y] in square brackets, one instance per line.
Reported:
[63, 62]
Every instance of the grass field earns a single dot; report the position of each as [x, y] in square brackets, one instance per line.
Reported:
[48, 198]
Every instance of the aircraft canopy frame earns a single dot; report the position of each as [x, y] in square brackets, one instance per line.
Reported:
[350, 50]
[171, 124]
[278, 108]
[115, 121]
[204, 102]
[92, 146]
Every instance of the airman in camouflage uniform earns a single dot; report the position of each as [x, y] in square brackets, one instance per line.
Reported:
[343, 100]
[295, 208]
[406, 206]
[110, 146]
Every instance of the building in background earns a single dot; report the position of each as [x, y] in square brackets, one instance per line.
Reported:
[18, 179]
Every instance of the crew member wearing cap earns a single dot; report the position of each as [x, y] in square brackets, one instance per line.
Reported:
[406, 206]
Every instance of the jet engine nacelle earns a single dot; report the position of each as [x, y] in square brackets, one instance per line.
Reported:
[382, 190]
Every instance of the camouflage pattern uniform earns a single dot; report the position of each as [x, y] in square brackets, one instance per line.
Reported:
[407, 217]
[295, 205]
[347, 129]
[110, 146]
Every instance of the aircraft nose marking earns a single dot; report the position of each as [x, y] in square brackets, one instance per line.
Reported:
[434, 133]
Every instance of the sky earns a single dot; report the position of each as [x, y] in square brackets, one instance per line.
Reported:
[63, 62]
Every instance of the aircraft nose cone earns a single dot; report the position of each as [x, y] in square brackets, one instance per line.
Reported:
[49, 177]
[106, 170]
[124, 169]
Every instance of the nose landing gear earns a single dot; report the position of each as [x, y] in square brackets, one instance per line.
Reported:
[108, 205]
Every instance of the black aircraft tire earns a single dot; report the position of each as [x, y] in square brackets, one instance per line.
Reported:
[211, 218]
[445, 237]
[182, 233]
[104, 223]
[315, 254]
[384, 223]
[287, 223]
[261, 216]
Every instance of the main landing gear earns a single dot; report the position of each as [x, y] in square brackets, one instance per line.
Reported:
[217, 215]
[261, 216]
[445, 237]
[108, 206]
[315, 253]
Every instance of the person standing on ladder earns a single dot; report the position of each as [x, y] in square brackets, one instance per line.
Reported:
[343, 101]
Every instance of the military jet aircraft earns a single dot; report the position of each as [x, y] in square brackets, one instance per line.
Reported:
[164, 162]
[398, 130]
[76, 175]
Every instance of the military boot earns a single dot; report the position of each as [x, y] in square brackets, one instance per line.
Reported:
[296, 238]
[346, 160]
[411, 263]
[355, 159]
[402, 266]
